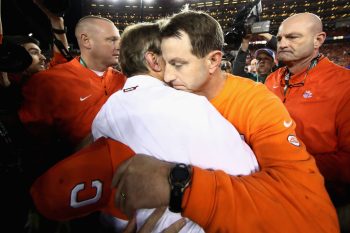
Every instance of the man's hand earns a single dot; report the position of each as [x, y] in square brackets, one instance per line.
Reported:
[245, 42]
[266, 36]
[142, 182]
[56, 21]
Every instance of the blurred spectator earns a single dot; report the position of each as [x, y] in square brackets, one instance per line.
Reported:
[226, 66]
[265, 61]
[21, 155]
[252, 67]
[337, 53]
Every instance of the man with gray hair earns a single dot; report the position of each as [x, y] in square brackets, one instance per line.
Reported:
[176, 126]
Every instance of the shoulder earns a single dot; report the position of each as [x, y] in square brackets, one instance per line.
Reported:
[245, 88]
[275, 76]
[60, 70]
[243, 94]
[330, 76]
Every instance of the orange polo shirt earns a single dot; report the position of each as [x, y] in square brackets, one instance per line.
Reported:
[321, 110]
[64, 100]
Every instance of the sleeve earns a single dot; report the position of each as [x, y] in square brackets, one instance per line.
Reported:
[287, 195]
[335, 166]
[239, 64]
[103, 122]
[37, 108]
[99, 124]
[58, 58]
[81, 183]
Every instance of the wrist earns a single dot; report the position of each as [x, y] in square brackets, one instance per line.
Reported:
[180, 177]
[59, 30]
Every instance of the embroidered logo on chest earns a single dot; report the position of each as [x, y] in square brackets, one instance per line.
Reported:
[307, 94]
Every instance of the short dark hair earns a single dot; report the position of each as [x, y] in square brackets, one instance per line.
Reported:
[204, 31]
[135, 41]
[21, 40]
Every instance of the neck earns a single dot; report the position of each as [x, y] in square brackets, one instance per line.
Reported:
[297, 66]
[92, 64]
[157, 75]
[214, 85]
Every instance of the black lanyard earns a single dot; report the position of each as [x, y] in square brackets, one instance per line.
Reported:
[82, 62]
[288, 74]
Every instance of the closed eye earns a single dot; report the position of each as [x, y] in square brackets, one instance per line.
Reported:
[177, 64]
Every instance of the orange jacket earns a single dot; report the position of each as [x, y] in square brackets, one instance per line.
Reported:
[287, 195]
[321, 110]
[57, 58]
[64, 100]
[53, 193]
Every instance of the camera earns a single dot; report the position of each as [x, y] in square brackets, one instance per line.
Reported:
[247, 21]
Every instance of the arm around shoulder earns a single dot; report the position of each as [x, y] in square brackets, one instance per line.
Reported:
[287, 188]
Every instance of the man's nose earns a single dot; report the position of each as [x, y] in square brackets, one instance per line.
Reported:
[42, 57]
[117, 45]
[168, 75]
[282, 43]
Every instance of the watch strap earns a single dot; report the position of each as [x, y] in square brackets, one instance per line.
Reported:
[176, 199]
[179, 179]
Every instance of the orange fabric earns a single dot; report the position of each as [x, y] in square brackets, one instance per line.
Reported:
[65, 99]
[94, 163]
[321, 110]
[58, 58]
[287, 195]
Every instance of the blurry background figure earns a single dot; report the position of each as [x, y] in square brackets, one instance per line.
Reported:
[226, 66]
[265, 63]
[252, 67]
[261, 65]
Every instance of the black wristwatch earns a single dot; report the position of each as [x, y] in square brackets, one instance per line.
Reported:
[179, 179]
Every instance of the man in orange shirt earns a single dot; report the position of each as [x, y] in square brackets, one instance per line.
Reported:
[62, 102]
[316, 93]
[287, 195]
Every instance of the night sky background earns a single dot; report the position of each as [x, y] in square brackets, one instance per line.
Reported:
[21, 17]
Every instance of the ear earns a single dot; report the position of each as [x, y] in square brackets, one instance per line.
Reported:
[319, 39]
[214, 60]
[153, 62]
[85, 40]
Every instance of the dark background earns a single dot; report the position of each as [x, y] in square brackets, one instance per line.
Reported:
[21, 17]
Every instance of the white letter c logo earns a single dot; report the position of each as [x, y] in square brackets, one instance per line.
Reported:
[74, 195]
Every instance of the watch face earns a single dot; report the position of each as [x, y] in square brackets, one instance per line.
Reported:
[180, 174]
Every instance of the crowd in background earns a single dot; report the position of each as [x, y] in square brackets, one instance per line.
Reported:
[48, 107]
